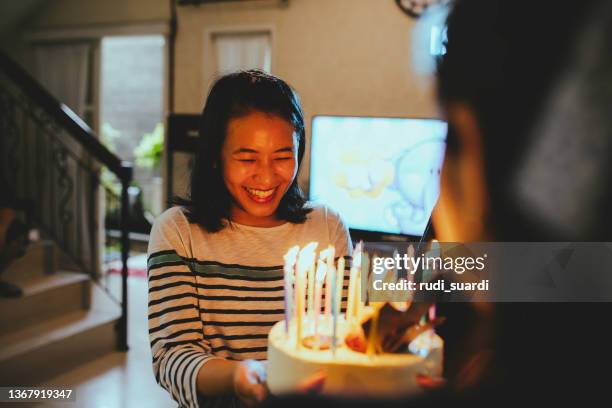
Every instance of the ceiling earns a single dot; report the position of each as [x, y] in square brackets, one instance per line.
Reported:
[13, 13]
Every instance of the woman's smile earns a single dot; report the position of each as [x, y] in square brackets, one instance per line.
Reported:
[261, 195]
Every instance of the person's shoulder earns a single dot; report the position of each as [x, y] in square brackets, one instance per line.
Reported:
[170, 232]
[173, 216]
[321, 212]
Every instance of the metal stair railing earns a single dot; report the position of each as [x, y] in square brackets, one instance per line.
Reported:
[51, 158]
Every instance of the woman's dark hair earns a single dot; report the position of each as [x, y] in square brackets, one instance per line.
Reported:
[233, 96]
[503, 60]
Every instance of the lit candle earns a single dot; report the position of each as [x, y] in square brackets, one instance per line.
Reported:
[330, 279]
[289, 275]
[411, 272]
[361, 277]
[351, 294]
[351, 309]
[320, 277]
[311, 287]
[330, 252]
[299, 303]
[340, 281]
[305, 259]
[337, 301]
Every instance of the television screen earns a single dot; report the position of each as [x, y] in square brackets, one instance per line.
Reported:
[380, 174]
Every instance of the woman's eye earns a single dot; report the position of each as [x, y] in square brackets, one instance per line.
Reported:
[247, 160]
[284, 158]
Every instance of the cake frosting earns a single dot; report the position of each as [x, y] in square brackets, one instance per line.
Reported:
[371, 349]
[348, 371]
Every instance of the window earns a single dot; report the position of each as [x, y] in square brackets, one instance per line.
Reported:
[245, 50]
[132, 107]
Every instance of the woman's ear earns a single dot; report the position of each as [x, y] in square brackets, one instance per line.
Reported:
[460, 213]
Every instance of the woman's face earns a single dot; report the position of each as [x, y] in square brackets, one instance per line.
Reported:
[462, 205]
[259, 159]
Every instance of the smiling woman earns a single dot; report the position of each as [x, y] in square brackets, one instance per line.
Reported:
[259, 164]
[216, 259]
[243, 109]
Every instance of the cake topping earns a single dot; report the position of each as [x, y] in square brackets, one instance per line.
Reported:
[378, 327]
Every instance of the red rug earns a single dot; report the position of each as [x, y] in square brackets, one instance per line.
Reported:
[132, 272]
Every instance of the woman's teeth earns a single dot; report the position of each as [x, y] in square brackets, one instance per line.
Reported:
[260, 193]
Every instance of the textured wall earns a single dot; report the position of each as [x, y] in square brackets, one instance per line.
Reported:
[345, 57]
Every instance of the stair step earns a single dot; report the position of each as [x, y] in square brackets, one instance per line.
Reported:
[39, 259]
[39, 352]
[44, 297]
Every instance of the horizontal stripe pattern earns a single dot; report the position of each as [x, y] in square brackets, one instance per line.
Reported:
[205, 315]
[201, 308]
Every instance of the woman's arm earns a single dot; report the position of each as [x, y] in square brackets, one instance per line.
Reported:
[246, 379]
[182, 359]
[176, 335]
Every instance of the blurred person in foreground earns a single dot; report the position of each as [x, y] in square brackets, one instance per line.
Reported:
[526, 92]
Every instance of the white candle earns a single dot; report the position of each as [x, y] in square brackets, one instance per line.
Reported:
[320, 277]
[351, 294]
[337, 302]
[289, 275]
[340, 281]
[362, 275]
[353, 283]
[411, 272]
[328, 257]
[299, 303]
[311, 287]
[305, 259]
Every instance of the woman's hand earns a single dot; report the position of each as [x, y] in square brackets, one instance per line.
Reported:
[313, 384]
[430, 383]
[249, 382]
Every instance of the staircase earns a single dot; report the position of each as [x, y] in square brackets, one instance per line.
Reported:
[66, 315]
[61, 321]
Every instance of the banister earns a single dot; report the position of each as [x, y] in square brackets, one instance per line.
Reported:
[61, 113]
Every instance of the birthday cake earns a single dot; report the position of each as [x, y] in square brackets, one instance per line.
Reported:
[360, 351]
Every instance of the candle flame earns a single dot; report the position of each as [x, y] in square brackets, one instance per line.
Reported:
[307, 256]
[323, 255]
[321, 271]
[357, 253]
[291, 255]
[331, 252]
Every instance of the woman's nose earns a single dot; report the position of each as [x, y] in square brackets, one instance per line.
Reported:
[264, 172]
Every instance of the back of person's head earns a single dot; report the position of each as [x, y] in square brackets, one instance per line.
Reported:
[537, 78]
[233, 96]
[506, 61]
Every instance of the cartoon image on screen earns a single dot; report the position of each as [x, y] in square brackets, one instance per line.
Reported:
[380, 174]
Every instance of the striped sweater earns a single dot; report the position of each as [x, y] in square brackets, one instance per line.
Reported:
[216, 295]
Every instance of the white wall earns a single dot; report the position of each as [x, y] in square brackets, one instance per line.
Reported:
[344, 57]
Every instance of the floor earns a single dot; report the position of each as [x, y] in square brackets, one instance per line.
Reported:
[119, 380]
